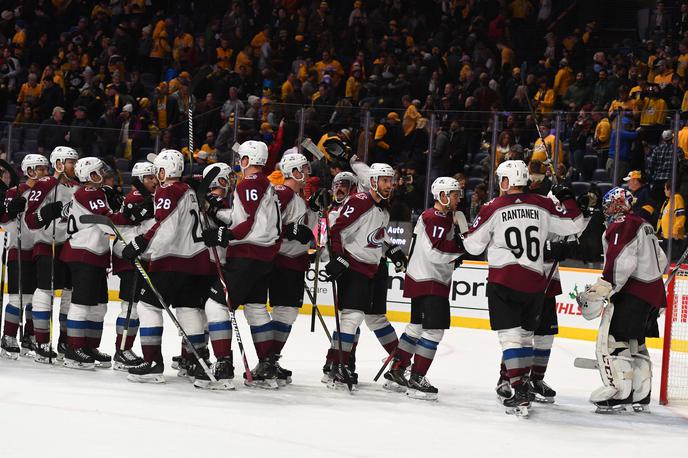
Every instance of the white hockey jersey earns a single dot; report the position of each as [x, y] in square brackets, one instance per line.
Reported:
[513, 228]
[129, 233]
[292, 253]
[10, 226]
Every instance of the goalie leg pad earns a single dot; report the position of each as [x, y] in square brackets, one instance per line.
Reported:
[642, 374]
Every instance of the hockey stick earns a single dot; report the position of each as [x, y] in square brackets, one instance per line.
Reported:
[586, 363]
[314, 299]
[677, 267]
[125, 331]
[52, 277]
[105, 221]
[347, 379]
[322, 320]
[200, 194]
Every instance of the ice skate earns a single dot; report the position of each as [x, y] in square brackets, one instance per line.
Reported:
[519, 403]
[503, 389]
[175, 361]
[642, 406]
[223, 371]
[28, 346]
[283, 375]
[195, 370]
[614, 406]
[419, 387]
[102, 360]
[147, 372]
[339, 377]
[542, 392]
[61, 350]
[183, 366]
[9, 348]
[395, 380]
[264, 375]
[125, 360]
[77, 358]
[44, 354]
[327, 373]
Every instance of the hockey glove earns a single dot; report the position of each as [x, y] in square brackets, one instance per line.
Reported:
[48, 213]
[562, 193]
[217, 237]
[555, 251]
[583, 202]
[336, 268]
[134, 248]
[318, 200]
[138, 212]
[398, 258]
[298, 232]
[114, 198]
[215, 203]
[15, 206]
[458, 239]
[458, 263]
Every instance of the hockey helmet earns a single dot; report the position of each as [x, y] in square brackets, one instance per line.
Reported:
[225, 173]
[171, 161]
[445, 185]
[377, 170]
[62, 153]
[343, 177]
[142, 169]
[88, 165]
[255, 151]
[294, 161]
[31, 161]
[515, 170]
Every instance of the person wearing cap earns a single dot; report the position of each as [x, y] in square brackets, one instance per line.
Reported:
[411, 115]
[677, 231]
[388, 137]
[627, 135]
[52, 132]
[165, 107]
[653, 110]
[660, 164]
[643, 205]
[81, 132]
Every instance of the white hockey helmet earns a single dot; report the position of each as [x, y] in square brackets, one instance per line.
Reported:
[62, 153]
[171, 161]
[444, 185]
[343, 177]
[515, 171]
[377, 170]
[31, 161]
[255, 151]
[142, 169]
[86, 166]
[225, 172]
[291, 162]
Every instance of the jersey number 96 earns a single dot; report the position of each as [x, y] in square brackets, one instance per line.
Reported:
[515, 241]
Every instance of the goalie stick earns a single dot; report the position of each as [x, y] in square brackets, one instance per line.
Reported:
[200, 196]
[105, 221]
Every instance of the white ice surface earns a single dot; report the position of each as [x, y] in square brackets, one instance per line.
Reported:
[57, 412]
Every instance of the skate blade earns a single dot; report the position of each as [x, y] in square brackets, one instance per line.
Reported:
[148, 378]
[117, 366]
[60, 357]
[175, 365]
[11, 355]
[43, 360]
[103, 365]
[340, 386]
[613, 410]
[220, 385]
[544, 399]
[641, 408]
[519, 411]
[26, 353]
[81, 366]
[393, 387]
[269, 384]
[281, 382]
[415, 394]
[326, 379]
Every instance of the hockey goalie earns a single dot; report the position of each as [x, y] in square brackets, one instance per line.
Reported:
[628, 296]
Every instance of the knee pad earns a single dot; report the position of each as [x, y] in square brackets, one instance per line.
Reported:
[414, 331]
[434, 335]
[510, 338]
[286, 315]
[40, 300]
[256, 314]
[350, 320]
[124, 308]
[149, 315]
[65, 300]
[375, 322]
[527, 338]
[543, 342]
[642, 373]
[27, 299]
[97, 312]
[216, 312]
[191, 320]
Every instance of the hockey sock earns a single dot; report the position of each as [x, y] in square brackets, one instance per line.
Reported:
[94, 333]
[407, 343]
[12, 316]
[349, 321]
[65, 301]
[133, 326]
[219, 328]
[260, 322]
[542, 346]
[192, 323]
[426, 349]
[384, 331]
[517, 357]
[77, 325]
[41, 311]
[151, 331]
[28, 315]
[282, 320]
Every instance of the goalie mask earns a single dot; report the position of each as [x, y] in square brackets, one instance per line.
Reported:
[616, 203]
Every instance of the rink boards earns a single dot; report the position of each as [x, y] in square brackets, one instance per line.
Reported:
[467, 299]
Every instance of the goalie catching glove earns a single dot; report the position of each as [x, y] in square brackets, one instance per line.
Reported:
[592, 300]
[398, 258]
[217, 237]
[134, 248]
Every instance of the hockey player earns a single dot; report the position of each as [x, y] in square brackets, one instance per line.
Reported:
[632, 288]
[253, 239]
[359, 244]
[428, 277]
[139, 209]
[179, 266]
[87, 253]
[288, 276]
[34, 167]
[45, 219]
[216, 313]
[513, 228]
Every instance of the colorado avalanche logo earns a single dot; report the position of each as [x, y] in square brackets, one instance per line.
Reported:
[376, 238]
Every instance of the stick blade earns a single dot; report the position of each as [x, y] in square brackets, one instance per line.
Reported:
[95, 219]
[312, 148]
[14, 178]
[585, 363]
[204, 186]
